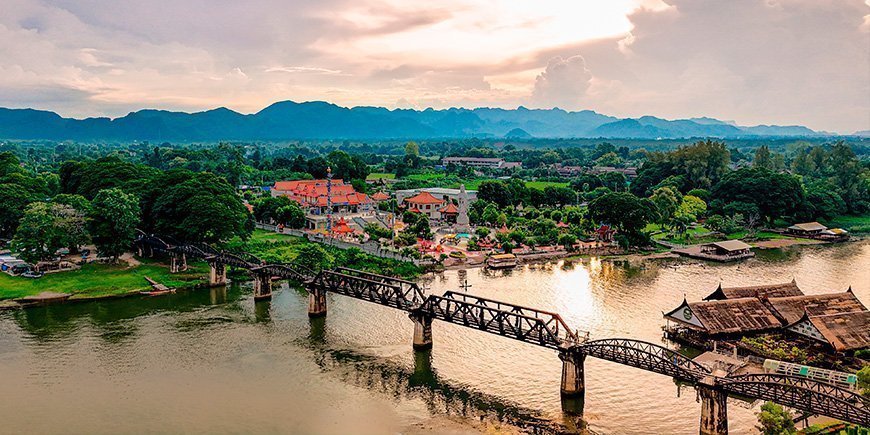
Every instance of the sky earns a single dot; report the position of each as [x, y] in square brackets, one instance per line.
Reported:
[785, 62]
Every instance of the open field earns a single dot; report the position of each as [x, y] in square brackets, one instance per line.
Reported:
[95, 280]
[853, 224]
[380, 176]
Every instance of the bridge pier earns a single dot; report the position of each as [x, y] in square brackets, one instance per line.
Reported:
[217, 274]
[316, 302]
[262, 287]
[422, 331]
[573, 375]
[178, 263]
[714, 410]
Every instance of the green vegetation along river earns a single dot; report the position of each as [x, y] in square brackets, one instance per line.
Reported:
[211, 361]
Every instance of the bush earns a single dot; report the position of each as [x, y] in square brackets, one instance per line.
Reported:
[482, 232]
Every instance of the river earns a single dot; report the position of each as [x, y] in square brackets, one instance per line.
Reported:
[211, 361]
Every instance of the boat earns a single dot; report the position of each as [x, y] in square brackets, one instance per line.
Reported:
[502, 261]
[157, 289]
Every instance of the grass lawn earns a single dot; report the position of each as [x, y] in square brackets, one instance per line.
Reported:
[94, 280]
[853, 224]
[540, 185]
[428, 176]
[380, 176]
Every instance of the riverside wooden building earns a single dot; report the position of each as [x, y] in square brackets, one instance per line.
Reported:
[838, 320]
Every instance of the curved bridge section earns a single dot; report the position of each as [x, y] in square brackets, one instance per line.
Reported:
[804, 394]
[646, 356]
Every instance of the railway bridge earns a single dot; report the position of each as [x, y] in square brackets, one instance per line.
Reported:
[533, 326]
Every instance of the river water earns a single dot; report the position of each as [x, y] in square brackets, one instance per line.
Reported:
[212, 361]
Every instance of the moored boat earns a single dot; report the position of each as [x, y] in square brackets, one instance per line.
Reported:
[502, 261]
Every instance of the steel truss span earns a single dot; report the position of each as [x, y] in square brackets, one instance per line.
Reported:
[533, 326]
[646, 356]
[807, 395]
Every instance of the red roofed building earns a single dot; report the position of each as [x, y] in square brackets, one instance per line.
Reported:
[312, 196]
[380, 196]
[449, 212]
[425, 203]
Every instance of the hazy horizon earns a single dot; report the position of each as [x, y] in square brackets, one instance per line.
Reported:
[754, 62]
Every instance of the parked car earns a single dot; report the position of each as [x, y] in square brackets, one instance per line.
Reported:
[32, 274]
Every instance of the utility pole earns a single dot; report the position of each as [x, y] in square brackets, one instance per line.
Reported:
[328, 201]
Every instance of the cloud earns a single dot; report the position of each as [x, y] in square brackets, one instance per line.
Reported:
[755, 61]
[563, 84]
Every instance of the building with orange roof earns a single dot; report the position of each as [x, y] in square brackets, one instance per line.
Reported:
[314, 197]
[380, 197]
[449, 212]
[425, 203]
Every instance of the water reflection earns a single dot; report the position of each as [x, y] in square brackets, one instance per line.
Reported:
[216, 337]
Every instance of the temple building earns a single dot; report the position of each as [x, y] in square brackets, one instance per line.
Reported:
[425, 203]
[314, 196]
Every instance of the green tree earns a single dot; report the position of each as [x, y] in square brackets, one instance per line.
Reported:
[774, 194]
[291, 215]
[314, 257]
[762, 158]
[13, 201]
[626, 212]
[114, 216]
[609, 159]
[412, 149]
[864, 380]
[494, 191]
[47, 227]
[196, 207]
[666, 201]
[774, 420]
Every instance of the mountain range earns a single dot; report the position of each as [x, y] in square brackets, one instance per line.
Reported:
[320, 120]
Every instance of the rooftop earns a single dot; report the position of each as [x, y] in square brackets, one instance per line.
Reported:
[424, 198]
[791, 309]
[732, 245]
[808, 226]
[756, 291]
[844, 331]
[734, 315]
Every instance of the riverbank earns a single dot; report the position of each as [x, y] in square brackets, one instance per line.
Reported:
[96, 280]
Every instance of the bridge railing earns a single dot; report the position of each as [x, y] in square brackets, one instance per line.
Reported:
[410, 289]
[645, 355]
[506, 323]
[362, 288]
[801, 393]
[552, 320]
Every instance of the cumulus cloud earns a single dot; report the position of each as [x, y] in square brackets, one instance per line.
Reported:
[563, 83]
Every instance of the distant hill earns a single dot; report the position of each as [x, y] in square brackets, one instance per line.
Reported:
[321, 120]
[518, 133]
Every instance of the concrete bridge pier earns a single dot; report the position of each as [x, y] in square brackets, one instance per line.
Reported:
[178, 263]
[422, 331]
[262, 287]
[573, 375]
[316, 302]
[217, 274]
[714, 410]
